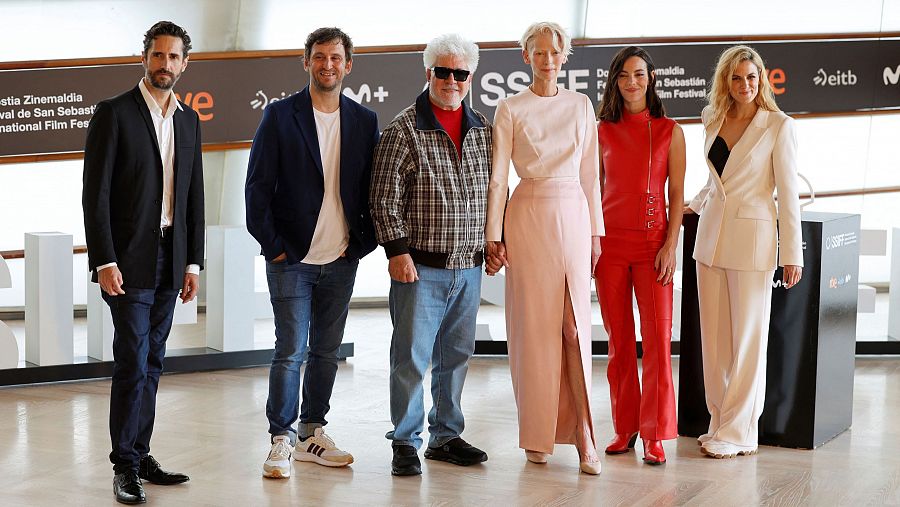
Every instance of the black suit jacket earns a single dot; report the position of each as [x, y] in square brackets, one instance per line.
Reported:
[122, 195]
[285, 183]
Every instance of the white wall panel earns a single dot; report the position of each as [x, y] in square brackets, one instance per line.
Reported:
[51, 29]
[645, 18]
[268, 24]
[883, 161]
[832, 151]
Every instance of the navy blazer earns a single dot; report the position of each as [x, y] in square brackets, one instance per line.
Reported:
[123, 187]
[285, 183]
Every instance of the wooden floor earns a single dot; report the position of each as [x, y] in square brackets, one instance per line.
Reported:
[54, 444]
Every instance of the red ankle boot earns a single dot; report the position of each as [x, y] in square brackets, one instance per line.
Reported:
[654, 454]
[622, 443]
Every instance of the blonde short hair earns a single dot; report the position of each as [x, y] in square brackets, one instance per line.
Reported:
[719, 96]
[560, 37]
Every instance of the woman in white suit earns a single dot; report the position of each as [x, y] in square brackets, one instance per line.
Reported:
[751, 151]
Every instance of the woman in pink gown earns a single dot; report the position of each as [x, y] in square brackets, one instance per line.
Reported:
[549, 243]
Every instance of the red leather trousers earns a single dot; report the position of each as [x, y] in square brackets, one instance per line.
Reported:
[626, 265]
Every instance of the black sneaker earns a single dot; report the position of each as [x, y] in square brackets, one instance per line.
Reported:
[458, 452]
[405, 461]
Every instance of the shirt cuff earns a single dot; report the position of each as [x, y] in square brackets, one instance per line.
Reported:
[193, 269]
[111, 264]
[396, 247]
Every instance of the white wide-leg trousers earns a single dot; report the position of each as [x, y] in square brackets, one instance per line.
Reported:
[734, 323]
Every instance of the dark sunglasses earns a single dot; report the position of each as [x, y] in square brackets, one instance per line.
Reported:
[444, 73]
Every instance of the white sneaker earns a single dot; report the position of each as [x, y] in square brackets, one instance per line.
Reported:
[719, 449]
[278, 463]
[320, 449]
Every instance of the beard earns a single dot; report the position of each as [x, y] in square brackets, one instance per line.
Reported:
[449, 100]
[323, 88]
[162, 80]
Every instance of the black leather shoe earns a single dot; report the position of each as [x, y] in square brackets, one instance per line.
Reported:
[405, 461]
[458, 452]
[128, 489]
[149, 471]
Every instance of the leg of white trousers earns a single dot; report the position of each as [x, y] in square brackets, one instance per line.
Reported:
[715, 331]
[750, 296]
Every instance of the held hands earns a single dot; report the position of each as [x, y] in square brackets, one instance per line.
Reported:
[665, 263]
[496, 257]
[189, 288]
[595, 253]
[110, 280]
[792, 275]
[402, 269]
[687, 210]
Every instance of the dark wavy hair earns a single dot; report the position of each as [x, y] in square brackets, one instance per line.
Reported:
[328, 34]
[611, 107]
[167, 28]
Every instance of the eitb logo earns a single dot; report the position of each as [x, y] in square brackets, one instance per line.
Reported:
[836, 78]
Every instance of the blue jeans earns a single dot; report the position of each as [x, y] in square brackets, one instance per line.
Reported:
[434, 320]
[142, 319]
[310, 305]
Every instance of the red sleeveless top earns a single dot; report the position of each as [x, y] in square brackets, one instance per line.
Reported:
[635, 153]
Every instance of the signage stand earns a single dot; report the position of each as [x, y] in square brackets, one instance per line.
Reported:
[812, 340]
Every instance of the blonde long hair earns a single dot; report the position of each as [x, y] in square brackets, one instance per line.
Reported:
[719, 96]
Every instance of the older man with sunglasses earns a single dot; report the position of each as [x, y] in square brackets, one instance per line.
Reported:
[428, 203]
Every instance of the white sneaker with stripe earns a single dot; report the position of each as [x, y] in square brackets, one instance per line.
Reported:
[320, 449]
[278, 462]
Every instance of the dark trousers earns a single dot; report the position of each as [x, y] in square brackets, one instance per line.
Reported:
[142, 319]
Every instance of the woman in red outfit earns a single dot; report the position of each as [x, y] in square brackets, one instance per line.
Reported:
[640, 149]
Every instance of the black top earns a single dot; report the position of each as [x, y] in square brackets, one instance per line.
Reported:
[718, 154]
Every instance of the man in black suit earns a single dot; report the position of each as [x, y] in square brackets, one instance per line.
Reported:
[144, 225]
[307, 198]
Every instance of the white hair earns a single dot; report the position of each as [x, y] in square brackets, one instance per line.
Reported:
[541, 27]
[451, 44]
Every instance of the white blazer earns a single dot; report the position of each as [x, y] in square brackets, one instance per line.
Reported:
[737, 228]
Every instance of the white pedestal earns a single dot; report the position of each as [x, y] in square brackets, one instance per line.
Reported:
[185, 313]
[865, 299]
[9, 349]
[48, 298]
[229, 288]
[894, 288]
[493, 289]
[99, 326]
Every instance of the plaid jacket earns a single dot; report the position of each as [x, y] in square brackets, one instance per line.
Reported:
[424, 200]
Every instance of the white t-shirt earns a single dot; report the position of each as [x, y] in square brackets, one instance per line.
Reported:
[332, 235]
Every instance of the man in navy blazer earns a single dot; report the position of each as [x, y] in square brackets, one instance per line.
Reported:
[307, 204]
[144, 225]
